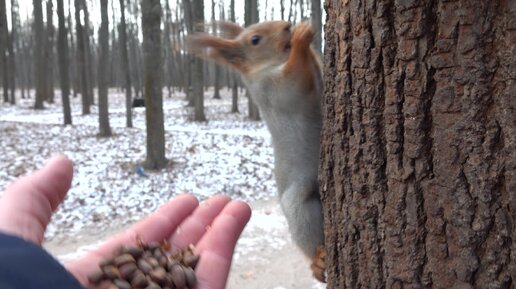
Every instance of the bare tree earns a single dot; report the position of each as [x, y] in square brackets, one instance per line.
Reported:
[190, 60]
[418, 157]
[125, 67]
[74, 71]
[3, 47]
[49, 51]
[151, 21]
[11, 49]
[38, 56]
[198, 64]
[63, 56]
[317, 24]
[82, 68]
[251, 17]
[216, 68]
[104, 128]
[234, 76]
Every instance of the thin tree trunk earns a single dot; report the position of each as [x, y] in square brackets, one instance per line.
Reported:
[104, 127]
[82, 69]
[38, 56]
[10, 48]
[234, 82]
[198, 64]
[4, 35]
[63, 56]
[88, 56]
[317, 25]
[151, 21]
[251, 17]
[73, 54]
[216, 67]
[125, 67]
[49, 51]
[418, 162]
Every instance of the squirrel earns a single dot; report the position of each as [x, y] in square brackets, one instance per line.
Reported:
[284, 77]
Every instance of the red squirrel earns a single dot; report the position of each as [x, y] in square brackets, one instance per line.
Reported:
[284, 76]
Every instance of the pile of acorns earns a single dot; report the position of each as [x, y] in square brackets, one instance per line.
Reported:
[146, 266]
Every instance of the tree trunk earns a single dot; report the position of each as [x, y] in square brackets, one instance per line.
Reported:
[3, 49]
[82, 66]
[11, 48]
[73, 55]
[62, 48]
[38, 56]
[317, 24]
[89, 61]
[151, 21]
[104, 128]
[418, 164]
[234, 82]
[125, 67]
[251, 17]
[198, 64]
[49, 51]
[216, 67]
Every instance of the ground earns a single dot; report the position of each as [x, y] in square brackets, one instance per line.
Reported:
[227, 155]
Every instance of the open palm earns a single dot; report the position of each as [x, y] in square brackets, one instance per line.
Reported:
[212, 226]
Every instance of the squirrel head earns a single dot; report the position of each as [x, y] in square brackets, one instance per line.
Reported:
[257, 48]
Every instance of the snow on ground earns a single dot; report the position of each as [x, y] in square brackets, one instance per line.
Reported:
[228, 154]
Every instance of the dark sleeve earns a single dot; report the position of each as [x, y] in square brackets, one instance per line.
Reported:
[24, 265]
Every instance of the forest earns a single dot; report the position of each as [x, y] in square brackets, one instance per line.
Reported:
[72, 81]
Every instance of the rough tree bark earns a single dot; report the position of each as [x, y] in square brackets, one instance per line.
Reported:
[104, 127]
[418, 164]
[151, 20]
[62, 48]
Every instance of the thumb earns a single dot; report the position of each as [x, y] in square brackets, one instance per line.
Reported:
[27, 205]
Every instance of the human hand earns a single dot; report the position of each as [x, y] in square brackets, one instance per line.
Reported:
[213, 226]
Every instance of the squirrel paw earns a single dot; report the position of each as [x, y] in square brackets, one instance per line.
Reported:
[303, 34]
[318, 265]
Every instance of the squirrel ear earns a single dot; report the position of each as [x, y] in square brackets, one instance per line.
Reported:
[221, 50]
[229, 30]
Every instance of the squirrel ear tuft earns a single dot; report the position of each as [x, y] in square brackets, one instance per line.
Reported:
[229, 30]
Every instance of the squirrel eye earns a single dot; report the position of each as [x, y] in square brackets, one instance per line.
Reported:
[256, 39]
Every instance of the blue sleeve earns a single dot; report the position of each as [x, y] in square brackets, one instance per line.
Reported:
[24, 265]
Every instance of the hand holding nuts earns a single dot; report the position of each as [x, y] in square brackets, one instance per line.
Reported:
[146, 266]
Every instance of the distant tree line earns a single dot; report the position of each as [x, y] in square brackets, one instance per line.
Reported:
[137, 50]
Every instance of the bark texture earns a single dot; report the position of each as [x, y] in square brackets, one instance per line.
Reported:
[151, 20]
[418, 157]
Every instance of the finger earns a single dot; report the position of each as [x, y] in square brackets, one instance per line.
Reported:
[216, 247]
[195, 226]
[27, 205]
[156, 227]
